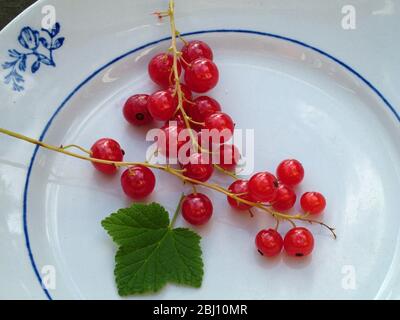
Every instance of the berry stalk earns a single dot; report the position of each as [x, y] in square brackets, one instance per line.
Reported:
[176, 54]
[178, 90]
[175, 73]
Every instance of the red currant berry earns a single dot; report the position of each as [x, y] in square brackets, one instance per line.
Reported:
[198, 167]
[290, 172]
[313, 202]
[162, 105]
[106, 149]
[195, 49]
[220, 126]
[205, 141]
[202, 108]
[135, 110]
[228, 157]
[197, 208]
[263, 187]
[160, 69]
[178, 118]
[240, 187]
[298, 242]
[170, 141]
[138, 182]
[285, 198]
[269, 242]
[202, 75]
[188, 94]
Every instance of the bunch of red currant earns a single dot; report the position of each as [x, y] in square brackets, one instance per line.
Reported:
[176, 107]
[203, 113]
[279, 193]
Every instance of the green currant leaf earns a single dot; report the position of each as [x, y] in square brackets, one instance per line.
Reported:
[151, 253]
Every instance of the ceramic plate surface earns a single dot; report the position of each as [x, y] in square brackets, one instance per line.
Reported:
[310, 90]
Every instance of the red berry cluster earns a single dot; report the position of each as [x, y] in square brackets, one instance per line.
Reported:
[175, 105]
[204, 113]
[200, 75]
[279, 192]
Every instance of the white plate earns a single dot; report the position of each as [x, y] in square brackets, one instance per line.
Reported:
[309, 88]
